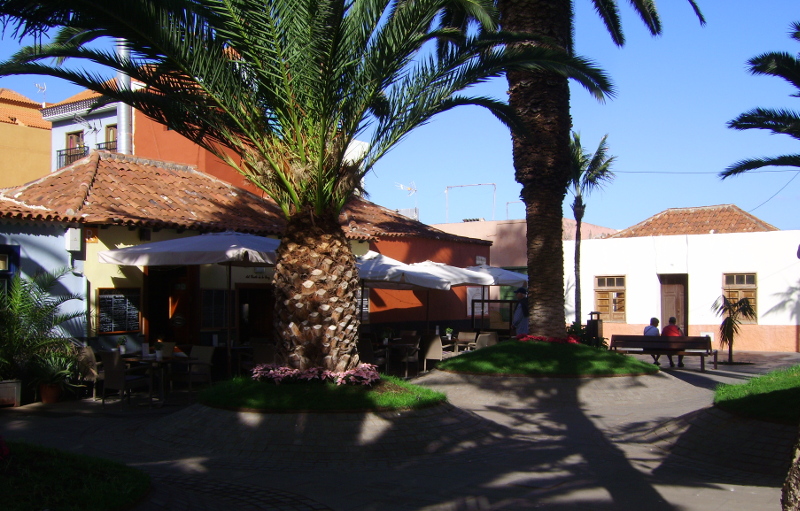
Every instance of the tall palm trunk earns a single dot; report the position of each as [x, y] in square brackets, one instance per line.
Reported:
[578, 209]
[316, 281]
[542, 158]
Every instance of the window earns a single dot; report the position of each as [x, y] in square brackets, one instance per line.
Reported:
[736, 286]
[214, 302]
[609, 298]
[74, 139]
[75, 149]
[111, 139]
[9, 263]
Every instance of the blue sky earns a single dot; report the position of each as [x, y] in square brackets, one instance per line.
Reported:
[666, 125]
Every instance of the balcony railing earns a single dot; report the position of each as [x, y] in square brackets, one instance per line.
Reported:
[108, 146]
[67, 156]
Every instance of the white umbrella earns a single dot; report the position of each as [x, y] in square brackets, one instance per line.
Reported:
[454, 275]
[502, 277]
[379, 271]
[222, 247]
[229, 248]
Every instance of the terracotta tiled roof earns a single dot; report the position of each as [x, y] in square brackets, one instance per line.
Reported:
[10, 96]
[362, 219]
[81, 96]
[114, 189]
[725, 218]
[17, 109]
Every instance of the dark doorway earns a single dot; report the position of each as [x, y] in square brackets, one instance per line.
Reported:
[256, 306]
[169, 303]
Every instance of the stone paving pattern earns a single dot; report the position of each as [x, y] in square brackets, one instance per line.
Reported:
[640, 442]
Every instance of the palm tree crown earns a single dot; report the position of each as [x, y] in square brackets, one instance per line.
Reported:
[587, 172]
[786, 122]
[279, 89]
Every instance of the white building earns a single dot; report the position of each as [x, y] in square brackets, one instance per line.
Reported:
[664, 267]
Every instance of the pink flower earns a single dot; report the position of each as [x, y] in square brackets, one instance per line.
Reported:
[364, 374]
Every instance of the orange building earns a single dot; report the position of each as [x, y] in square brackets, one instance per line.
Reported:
[24, 140]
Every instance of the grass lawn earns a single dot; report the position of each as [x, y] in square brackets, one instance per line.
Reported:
[34, 478]
[774, 396]
[389, 394]
[545, 359]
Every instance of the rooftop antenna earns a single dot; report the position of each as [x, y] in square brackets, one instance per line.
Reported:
[89, 126]
[411, 189]
[42, 90]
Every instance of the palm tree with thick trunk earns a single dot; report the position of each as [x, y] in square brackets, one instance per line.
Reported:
[280, 89]
[588, 172]
[787, 122]
[541, 151]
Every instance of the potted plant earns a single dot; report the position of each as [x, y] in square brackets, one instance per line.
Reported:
[448, 333]
[31, 323]
[121, 341]
[53, 372]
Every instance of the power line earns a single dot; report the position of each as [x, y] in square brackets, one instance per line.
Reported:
[773, 195]
[699, 173]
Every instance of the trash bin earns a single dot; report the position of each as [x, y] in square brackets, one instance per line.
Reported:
[594, 329]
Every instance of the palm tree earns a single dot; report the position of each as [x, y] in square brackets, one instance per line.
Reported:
[541, 152]
[588, 172]
[732, 314]
[787, 122]
[280, 89]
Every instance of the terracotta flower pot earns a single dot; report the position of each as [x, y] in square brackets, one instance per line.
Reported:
[50, 393]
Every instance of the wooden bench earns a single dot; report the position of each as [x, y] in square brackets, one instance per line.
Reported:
[666, 345]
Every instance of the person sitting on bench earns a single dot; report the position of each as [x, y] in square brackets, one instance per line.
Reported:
[672, 330]
[652, 329]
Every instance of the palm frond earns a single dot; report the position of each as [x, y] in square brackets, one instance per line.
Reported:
[789, 160]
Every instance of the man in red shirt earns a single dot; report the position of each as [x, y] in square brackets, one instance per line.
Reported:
[672, 330]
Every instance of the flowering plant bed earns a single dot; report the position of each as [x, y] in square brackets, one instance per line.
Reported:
[364, 374]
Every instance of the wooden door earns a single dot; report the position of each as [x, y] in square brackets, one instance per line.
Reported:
[673, 300]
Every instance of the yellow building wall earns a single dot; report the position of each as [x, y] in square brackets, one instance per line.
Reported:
[25, 154]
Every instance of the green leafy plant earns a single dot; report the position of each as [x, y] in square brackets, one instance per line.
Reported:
[55, 367]
[31, 322]
[732, 314]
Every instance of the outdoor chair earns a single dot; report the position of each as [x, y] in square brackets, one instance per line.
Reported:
[119, 377]
[198, 370]
[368, 354]
[89, 369]
[464, 339]
[483, 340]
[433, 350]
[409, 351]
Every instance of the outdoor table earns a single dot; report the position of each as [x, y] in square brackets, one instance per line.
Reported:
[402, 349]
[161, 366]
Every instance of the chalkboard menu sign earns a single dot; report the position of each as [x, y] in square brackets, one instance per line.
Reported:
[118, 310]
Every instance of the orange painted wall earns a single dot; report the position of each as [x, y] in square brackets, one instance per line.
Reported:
[154, 140]
[26, 154]
[438, 307]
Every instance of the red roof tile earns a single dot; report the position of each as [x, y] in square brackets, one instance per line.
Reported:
[725, 218]
[114, 189]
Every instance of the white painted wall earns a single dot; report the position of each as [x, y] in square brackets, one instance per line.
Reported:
[705, 258]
